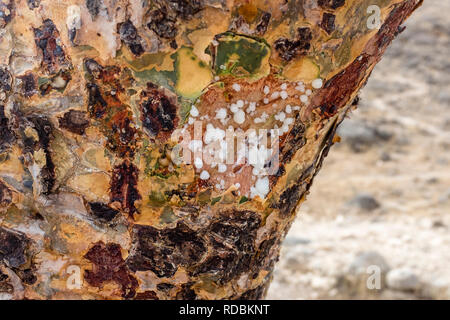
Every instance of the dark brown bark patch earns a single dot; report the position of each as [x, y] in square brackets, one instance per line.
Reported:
[122, 133]
[262, 258]
[165, 286]
[288, 200]
[33, 4]
[291, 196]
[173, 44]
[158, 112]
[44, 130]
[28, 86]
[6, 135]
[290, 49]
[289, 145]
[331, 4]
[328, 20]
[5, 283]
[5, 81]
[5, 195]
[94, 7]
[293, 142]
[146, 295]
[15, 253]
[53, 55]
[102, 211]
[163, 19]
[28, 276]
[93, 68]
[162, 251]
[124, 187]
[162, 24]
[13, 247]
[338, 90]
[108, 265]
[129, 35]
[74, 121]
[97, 105]
[185, 8]
[261, 28]
[107, 104]
[6, 12]
[233, 238]
[186, 292]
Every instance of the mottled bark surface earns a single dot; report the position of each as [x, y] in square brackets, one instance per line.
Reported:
[92, 203]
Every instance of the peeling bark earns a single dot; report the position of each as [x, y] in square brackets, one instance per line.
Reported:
[90, 95]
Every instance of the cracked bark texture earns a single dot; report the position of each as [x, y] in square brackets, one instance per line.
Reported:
[91, 91]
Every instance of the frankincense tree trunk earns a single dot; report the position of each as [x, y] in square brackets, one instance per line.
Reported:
[97, 96]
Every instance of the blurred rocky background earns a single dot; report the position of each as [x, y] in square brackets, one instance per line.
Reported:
[383, 195]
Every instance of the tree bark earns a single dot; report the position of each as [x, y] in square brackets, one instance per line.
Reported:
[93, 204]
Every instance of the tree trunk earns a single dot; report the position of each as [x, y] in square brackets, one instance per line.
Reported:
[98, 96]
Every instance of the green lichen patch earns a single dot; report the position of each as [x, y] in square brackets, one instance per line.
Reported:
[240, 56]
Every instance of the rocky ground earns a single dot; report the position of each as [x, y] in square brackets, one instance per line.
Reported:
[383, 195]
